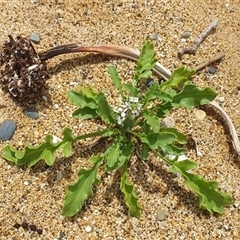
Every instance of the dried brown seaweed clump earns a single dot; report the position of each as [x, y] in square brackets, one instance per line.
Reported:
[23, 74]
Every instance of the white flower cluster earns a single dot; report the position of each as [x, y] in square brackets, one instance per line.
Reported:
[130, 108]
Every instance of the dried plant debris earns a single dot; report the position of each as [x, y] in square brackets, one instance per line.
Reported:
[201, 37]
[23, 74]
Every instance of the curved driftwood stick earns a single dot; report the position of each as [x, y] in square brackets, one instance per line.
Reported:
[111, 50]
[130, 53]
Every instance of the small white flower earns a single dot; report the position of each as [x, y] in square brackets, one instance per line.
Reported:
[123, 114]
[133, 99]
[139, 106]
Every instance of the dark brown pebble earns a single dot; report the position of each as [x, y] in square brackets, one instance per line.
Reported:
[33, 227]
[17, 225]
[24, 225]
[39, 231]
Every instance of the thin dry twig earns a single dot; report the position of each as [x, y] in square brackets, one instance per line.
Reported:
[209, 62]
[199, 39]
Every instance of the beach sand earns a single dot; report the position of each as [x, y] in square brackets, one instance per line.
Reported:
[35, 195]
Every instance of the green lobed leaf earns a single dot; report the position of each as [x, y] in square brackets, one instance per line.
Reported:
[153, 121]
[191, 96]
[154, 92]
[173, 150]
[120, 157]
[112, 154]
[104, 111]
[133, 91]
[178, 78]
[209, 198]
[144, 151]
[146, 61]
[115, 77]
[80, 99]
[88, 92]
[160, 139]
[33, 154]
[79, 191]
[130, 196]
[85, 113]
[181, 138]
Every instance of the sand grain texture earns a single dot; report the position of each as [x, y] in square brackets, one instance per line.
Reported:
[35, 196]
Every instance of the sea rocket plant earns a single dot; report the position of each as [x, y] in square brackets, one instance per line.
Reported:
[133, 128]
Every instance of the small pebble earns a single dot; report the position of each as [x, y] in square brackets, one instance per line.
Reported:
[7, 129]
[221, 99]
[26, 183]
[200, 114]
[149, 82]
[35, 38]
[24, 225]
[88, 229]
[155, 36]
[33, 227]
[39, 231]
[168, 122]
[161, 215]
[31, 113]
[16, 225]
[212, 70]
[44, 98]
[59, 176]
[185, 34]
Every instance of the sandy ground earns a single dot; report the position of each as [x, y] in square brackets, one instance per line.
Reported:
[34, 195]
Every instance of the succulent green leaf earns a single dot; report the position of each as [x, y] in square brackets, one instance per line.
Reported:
[173, 150]
[154, 92]
[133, 91]
[88, 92]
[130, 196]
[85, 113]
[80, 99]
[178, 78]
[160, 139]
[146, 62]
[112, 154]
[153, 121]
[118, 156]
[115, 77]
[79, 191]
[181, 138]
[104, 111]
[144, 151]
[191, 96]
[33, 154]
[209, 198]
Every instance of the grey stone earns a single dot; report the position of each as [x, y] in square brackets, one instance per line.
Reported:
[161, 214]
[186, 34]
[35, 38]
[155, 36]
[31, 113]
[212, 70]
[7, 129]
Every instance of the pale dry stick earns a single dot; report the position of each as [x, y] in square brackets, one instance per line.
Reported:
[115, 50]
[233, 132]
[199, 39]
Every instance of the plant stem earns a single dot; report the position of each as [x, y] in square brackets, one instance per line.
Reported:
[89, 135]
